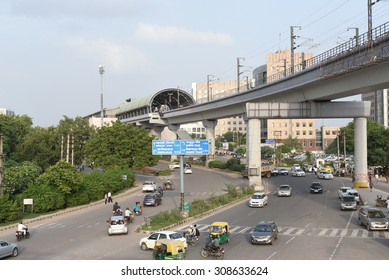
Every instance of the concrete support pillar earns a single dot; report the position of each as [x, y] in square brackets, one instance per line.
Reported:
[360, 153]
[253, 142]
[210, 135]
[174, 128]
[158, 130]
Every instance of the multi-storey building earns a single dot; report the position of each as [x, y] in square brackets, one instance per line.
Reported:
[379, 110]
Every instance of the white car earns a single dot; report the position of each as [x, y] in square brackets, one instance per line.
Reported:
[188, 170]
[343, 191]
[354, 193]
[148, 242]
[284, 190]
[298, 173]
[258, 199]
[325, 175]
[117, 225]
[149, 186]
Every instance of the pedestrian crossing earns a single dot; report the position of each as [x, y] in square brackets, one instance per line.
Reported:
[314, 232]
[237, 229]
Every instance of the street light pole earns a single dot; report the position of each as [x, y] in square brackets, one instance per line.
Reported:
[101, 71]
[209, 97]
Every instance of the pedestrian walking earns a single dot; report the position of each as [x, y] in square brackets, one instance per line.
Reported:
[110, 197]
[105, 198]
[376, 177]
[371, 186]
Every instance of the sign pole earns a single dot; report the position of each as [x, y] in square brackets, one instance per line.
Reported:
[182, 182]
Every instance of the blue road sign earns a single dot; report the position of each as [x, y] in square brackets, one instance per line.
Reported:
[180, 147]
[269, 141]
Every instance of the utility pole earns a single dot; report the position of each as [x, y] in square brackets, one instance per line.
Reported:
[292, 47]
[338, 135]
[238, 66]
[101, 71]
[1, 163]
[370, 22]
[209, 98]
[356, 36]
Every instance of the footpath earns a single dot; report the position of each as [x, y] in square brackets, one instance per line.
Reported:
[369, 196]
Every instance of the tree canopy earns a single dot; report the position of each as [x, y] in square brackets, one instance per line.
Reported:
[120, 145]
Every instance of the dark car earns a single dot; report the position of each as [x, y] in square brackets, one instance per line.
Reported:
[316, 187]
[154, 199]
[264, 232]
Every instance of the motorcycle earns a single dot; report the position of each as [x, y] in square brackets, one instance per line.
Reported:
[130, 219]
[20, 235]
[192, 240]
[208, 250]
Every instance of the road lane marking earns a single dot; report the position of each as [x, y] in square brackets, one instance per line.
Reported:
[290, 239]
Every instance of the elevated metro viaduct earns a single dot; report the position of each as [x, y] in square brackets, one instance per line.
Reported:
[343, 71]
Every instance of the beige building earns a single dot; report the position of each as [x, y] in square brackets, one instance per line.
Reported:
[202, 92]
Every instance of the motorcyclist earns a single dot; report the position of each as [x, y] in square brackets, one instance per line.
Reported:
[22, 228]
[190, 233]
[128, 215]
[137, 208]
[214, 245]
[115, 207]
[160, 190]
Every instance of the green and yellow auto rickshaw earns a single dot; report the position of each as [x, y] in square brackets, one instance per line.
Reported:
[167, 249]
[221, 231]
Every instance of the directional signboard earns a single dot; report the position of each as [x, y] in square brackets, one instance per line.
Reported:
[269, 141]
[180, 147]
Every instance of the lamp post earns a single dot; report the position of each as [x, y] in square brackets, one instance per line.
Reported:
[101, 71]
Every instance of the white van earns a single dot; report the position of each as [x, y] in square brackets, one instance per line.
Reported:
[354, 193]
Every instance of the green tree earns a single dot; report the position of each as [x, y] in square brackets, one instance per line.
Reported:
[80, 131]
[14, 129]
[267, 151]
[40, 145]
[62, 177]
[377, 143]
[290, 144]
[123, 145]
[17, 178]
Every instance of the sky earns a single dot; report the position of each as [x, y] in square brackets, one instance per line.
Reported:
[50, 51]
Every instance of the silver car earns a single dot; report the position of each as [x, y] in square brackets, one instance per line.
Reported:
[264, 233]
[8, 249]
[373, 218]
[284, 190]
[348, 202]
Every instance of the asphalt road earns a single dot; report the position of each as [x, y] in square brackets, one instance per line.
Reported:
[311, 225]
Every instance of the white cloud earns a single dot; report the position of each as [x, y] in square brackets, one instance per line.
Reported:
[119, 58]
[177, 35]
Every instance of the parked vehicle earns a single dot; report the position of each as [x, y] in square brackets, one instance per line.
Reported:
[8, 249]
[265, 232]
[266, 170]
[209, 250]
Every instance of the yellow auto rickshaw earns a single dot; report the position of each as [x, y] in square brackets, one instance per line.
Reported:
[166, 249]
[221, 231]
